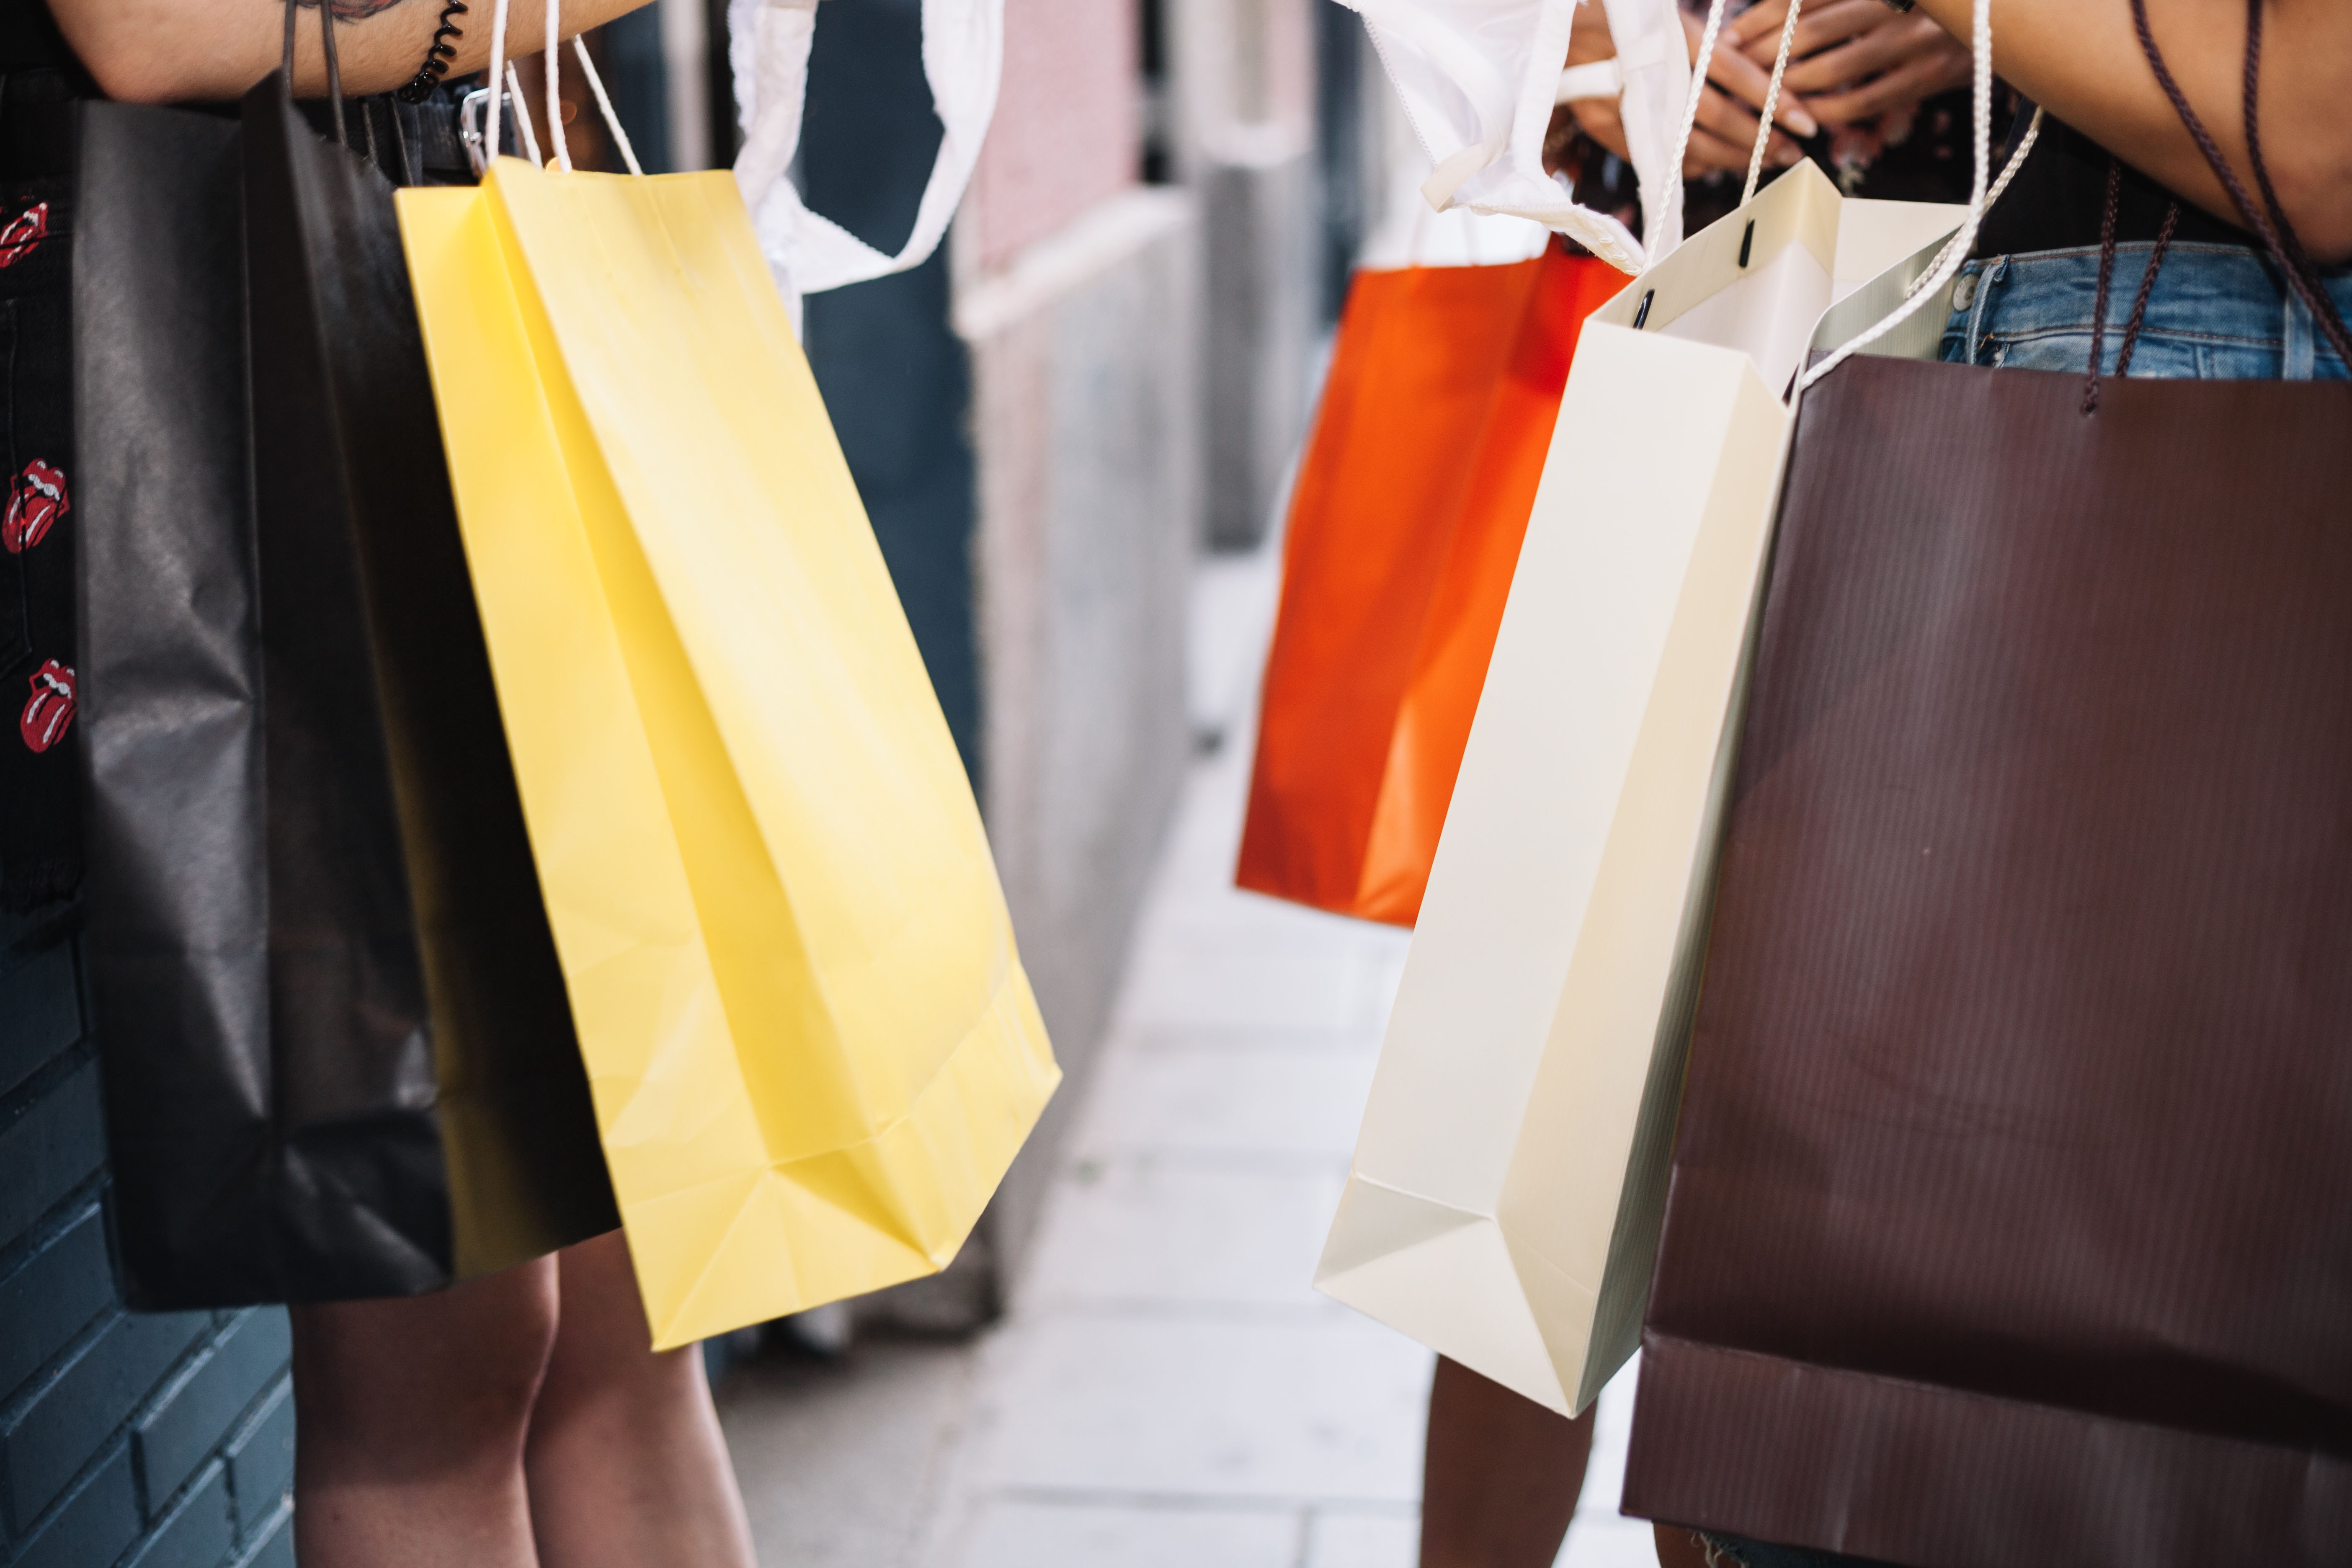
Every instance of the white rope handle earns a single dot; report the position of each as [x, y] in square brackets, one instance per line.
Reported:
[1707, 39]
[503, 67]
[523, 133]
[1955, 254]
[604, 104]
[1771, 102]
[2007, 172]
[1699, 66]
[554, 55]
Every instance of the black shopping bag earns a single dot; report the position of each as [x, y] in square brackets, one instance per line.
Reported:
[338, 1054]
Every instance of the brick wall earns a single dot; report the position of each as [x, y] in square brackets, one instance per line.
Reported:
[148, 1441]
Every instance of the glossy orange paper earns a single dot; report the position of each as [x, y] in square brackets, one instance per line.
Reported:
[1405, 528]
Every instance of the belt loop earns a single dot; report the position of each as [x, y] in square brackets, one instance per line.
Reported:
[2297, 348]
[1993, 272]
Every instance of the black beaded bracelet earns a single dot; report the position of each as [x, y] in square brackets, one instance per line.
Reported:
[436, 57]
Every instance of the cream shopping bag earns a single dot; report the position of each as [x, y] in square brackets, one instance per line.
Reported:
[1508, 1180]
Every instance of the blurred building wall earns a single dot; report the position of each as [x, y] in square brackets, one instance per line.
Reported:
[1243, 112]
[1067, 129]
[1077, 296]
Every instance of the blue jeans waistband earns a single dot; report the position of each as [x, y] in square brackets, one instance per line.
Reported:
[2216, 312]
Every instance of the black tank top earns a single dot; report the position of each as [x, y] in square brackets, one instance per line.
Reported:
[30, 39]
[2057, 200]
[39, 80]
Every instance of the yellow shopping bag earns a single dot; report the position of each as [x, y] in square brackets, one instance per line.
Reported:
[812, 1047]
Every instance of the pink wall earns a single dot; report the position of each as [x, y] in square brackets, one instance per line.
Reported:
[1068, 126]
[1290, 62]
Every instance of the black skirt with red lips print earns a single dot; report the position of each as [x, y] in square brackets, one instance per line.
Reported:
[40, 819]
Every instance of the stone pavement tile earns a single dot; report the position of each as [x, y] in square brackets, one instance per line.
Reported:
[1256, 1096]
[1337, 1540]
[1243, 925]
[1234, 1407]
[1198, 981]
[1007, 1533]
[1393, 1540]
[1205, 842]
[1354, 1040]
[1232, 614]
[1214, 904]
[1173, 1233]
[1599, 1542]
[840, 1461]
[1234, 960]
[1379, 994]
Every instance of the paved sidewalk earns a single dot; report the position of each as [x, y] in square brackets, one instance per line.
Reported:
[1167, 1391]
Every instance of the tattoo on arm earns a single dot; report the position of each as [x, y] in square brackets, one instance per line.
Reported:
[353, 10]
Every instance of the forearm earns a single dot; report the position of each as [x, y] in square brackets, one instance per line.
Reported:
[2081, 60]
[160, 51]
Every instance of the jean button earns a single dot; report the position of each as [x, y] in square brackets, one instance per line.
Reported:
[1964, 292]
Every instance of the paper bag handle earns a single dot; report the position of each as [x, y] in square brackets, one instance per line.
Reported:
[1956, 252]
[1708, 35]
[334, 69]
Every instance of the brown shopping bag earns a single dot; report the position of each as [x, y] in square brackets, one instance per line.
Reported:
[2006, 1223]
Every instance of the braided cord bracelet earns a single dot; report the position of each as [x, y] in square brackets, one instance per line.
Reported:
[437, 56]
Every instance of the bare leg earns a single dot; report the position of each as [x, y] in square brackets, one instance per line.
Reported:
[627, 1465]
[410, 1416]
[1499, 1475]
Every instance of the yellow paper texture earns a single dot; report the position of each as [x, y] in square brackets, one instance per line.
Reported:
[813, 1048]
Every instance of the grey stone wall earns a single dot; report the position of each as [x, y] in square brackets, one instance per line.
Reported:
[1244, 116]
[162, 1441]
[1262, 225]
[1086, 421]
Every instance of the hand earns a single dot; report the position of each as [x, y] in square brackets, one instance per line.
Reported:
[1853, 60]
[1725, 133]
[1724, 136]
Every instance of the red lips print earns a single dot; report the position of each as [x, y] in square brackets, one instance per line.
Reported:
[25, 231]
[49, 712]
[36, 500]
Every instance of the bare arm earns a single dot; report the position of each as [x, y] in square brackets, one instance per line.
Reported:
[159, 51]
[2081, 60]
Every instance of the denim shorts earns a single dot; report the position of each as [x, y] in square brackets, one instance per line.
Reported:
[2217, 312]
[1732, 1551]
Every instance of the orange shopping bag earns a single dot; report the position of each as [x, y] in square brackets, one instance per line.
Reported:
[1405, 528]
